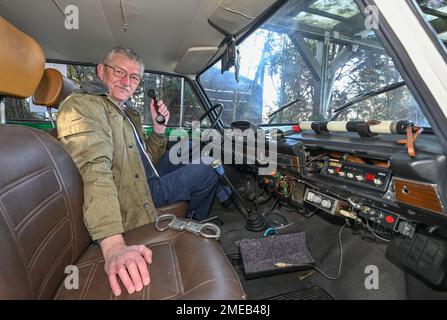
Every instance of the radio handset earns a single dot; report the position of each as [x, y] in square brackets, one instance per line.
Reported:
[160, 118]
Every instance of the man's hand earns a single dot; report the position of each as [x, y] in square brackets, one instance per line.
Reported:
[163, 110]
[129, 263]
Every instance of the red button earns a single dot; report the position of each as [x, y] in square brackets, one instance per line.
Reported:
[370, 177]
[389, 219]
[296, 128]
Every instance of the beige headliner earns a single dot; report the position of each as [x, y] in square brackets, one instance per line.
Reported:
[170, 35]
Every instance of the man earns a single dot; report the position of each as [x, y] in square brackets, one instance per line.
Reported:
[103, 134]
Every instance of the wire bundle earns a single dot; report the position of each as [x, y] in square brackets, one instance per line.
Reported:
[286, 186]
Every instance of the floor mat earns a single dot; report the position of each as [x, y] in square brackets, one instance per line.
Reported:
[314, 293]
[274, 254]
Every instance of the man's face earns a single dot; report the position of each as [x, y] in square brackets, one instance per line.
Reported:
[120, 89]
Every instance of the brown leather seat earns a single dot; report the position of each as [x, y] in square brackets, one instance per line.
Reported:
[184, 267]
[42, 229]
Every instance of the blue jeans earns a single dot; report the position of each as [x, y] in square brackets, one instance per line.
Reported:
[196, 183]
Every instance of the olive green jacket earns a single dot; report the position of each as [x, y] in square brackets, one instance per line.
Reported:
[101, 141]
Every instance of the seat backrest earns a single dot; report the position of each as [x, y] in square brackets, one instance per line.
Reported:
[41, 225]
[41, 194]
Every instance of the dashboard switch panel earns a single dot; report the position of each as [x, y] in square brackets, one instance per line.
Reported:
[321, 201]
[363, 175]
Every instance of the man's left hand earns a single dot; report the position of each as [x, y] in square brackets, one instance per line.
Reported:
[163, 110]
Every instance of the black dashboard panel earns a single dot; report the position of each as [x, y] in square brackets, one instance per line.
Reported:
[384, 158]
[359, 175]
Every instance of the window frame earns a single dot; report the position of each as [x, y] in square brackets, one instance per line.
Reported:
[409, 73]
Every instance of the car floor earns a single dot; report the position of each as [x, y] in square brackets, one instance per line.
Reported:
[359, 252]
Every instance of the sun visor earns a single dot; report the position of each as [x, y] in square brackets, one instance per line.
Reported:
[232, 16]
[194, 59]
[22, 61]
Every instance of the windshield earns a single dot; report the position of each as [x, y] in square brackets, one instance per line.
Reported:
[324, 53]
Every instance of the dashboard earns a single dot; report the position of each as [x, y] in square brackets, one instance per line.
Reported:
[370, 179]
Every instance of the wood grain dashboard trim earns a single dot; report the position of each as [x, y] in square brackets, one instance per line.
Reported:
[418, 194]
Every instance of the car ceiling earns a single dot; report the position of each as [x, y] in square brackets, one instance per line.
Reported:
[171, 36]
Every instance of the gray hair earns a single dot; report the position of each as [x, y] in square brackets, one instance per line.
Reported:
[127, 52]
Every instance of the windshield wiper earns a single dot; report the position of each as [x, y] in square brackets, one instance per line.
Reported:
[365, 96]
[283, 107]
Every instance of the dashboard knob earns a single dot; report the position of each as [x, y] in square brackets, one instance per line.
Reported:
[317, 200]
[310, 196]
[359, 178]
[326, 203]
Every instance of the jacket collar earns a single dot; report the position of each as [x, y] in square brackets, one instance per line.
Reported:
[97, 88]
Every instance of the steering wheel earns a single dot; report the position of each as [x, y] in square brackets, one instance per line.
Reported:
[208, 112]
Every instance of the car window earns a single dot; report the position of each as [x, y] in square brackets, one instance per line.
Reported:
[170, 90]
[20, 109]
[315, 57]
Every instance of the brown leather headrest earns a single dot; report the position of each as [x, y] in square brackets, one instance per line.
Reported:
[53, 89]
[22, 62]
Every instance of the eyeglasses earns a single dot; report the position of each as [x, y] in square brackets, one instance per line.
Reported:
[121, 73]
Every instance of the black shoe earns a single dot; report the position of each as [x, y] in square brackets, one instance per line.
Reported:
[228, 204]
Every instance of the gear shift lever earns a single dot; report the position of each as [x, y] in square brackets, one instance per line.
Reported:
[255, 222]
